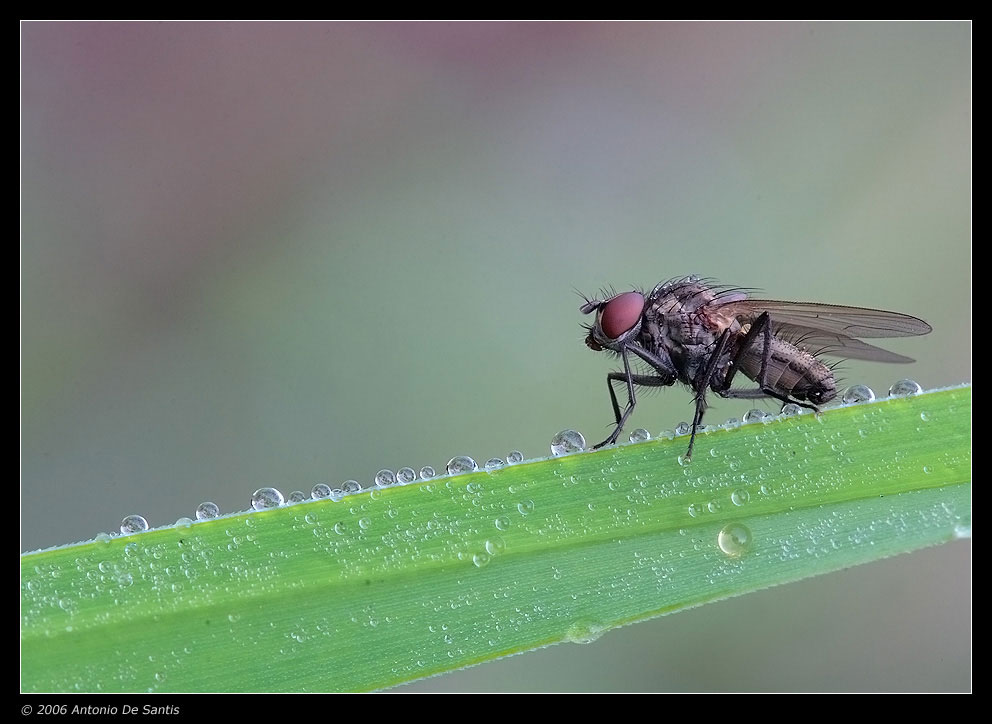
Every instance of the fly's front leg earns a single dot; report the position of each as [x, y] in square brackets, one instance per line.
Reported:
[631, 399]
[630, 380]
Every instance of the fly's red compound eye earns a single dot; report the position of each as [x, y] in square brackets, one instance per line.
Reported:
[621, 313]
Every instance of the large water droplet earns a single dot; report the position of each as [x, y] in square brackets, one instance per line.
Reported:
[494, 464]
[904, 388]
[858, 393]
[133, 524]
[320, 491]
[385, 478]
[427, 472]
[495, 546]
[406, 475]
[584, 632]
[682, 428]
[207, 510]
[297, 496]
[640, 435]
[266, 498]
[461, 464]
[350, 487]
[566, 442]
[791, 409]
[514, 456]
[734, 539]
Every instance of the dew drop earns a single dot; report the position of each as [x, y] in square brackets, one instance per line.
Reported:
[184, 522]
[694, 510]
[732, 423]
[461, 464]
[427, 472]
[640, 435]
[350, 487]
[740, 496]
[480, 559]
[925, 416]
[495, 546]
[584, 632]
[566, 442]
[133, 524]
[857, 393]
[514, 456]
[364, 523]
[734, 539]
[266, 498]
[406, 475]
[297, 496]
[494, 464]
[526, 507]
[207, 510]
[502, 522]
[682, 428]
[385, 478]
[713, 506]
[904, 388]
[320, 491]
[756, 415]
[791, 409]
[927, 469]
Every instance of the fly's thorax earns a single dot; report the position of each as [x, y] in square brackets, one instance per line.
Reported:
[792, 370]
[682, 296]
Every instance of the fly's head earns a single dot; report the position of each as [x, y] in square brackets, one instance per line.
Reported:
[618, 320]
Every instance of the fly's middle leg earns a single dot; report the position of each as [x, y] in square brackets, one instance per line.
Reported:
[702, 382]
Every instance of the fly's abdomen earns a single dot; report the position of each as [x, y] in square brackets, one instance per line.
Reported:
[791, 371]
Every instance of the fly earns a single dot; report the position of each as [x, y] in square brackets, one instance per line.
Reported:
[701, 334]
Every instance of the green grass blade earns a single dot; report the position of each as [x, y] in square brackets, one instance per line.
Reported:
[389, 586]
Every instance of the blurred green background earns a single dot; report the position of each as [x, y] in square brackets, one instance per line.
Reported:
[281, 254]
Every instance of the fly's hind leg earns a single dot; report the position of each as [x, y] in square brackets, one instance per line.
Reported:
[762, 326]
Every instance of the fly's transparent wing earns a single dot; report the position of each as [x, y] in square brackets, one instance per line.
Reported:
[835, 320]
[827, 344]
